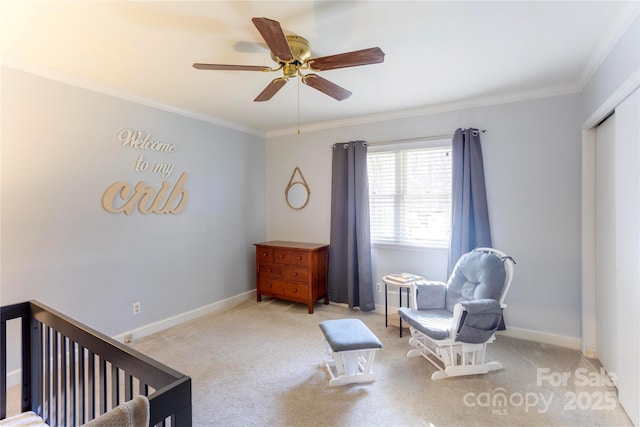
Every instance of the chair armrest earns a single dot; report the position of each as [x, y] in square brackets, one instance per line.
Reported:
[429, 295]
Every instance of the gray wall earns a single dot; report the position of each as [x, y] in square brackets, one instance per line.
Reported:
[532, 165]
[60, 153]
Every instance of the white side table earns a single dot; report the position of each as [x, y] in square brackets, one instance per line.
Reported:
[389, 281]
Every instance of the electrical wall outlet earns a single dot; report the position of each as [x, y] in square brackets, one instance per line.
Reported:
[136, 308]
[378, 287]
[128, 337]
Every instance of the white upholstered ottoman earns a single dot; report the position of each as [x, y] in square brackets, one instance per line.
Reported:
[351, 348]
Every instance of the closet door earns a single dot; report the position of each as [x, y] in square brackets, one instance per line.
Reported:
[606, 307]
[627, 178]
[618, 250]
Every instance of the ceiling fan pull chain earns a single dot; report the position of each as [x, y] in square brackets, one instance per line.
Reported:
[298, 106]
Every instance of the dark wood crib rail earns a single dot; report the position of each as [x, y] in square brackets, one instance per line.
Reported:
[71, 373]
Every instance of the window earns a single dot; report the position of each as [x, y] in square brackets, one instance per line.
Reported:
[410, 193]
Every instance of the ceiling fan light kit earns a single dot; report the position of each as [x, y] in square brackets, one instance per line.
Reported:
[293, 54]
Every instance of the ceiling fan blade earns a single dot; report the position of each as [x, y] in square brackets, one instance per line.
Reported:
[373, 55]
[272, 33]
[271, 89]
[325, 86]
[230, 67]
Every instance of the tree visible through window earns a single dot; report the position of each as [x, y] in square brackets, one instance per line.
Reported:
[410, 193]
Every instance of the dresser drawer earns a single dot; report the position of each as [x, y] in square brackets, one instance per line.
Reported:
[296, 292]
[270, 270]
[290, 256]
[271, 288]
[295, 273]
[286, 290]
[264, 254]
[299, 257]
[281, 256]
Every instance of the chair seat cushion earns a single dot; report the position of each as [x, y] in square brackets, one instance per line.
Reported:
[434, 323]
[349, 334]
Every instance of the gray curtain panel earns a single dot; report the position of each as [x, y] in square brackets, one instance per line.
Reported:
[350, 276]
[470, 215]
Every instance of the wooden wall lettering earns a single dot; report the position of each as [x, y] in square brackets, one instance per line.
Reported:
[121, 197]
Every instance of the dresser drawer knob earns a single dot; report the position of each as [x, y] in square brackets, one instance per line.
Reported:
[299, 258]
[270, 270]
[295, 274]
[264, 254]
[281, 255]
[270, 286]
[295, 290]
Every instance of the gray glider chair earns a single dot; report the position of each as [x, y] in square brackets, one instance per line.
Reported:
[452, 323]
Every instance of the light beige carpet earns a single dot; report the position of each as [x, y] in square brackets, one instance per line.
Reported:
[259, 364]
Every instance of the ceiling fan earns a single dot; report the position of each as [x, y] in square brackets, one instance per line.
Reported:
[293, 54]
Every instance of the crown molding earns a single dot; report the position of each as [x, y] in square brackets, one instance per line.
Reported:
[62, 77]
[433, 109]
[76, 81]
[620, 24]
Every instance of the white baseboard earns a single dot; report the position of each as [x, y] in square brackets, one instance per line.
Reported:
[542, 337]
[14, 377]
[161, 325]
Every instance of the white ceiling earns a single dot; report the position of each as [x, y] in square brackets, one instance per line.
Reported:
[438, 54]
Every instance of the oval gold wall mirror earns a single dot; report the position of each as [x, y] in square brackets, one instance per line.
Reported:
[297, 192]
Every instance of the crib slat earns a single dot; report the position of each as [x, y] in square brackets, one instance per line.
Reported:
[37, 366]
[128, 386]
[82, 385]
[3, 370]
[27, 346]
[63, 377]
[56, 380]
[72, 382]
[91, 386]
[115, 386]
[103, 386]
[47, 376]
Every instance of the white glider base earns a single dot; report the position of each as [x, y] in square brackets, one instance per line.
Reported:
[349, 367]
[452, 358]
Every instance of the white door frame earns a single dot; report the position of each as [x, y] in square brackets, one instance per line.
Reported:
[588, 335]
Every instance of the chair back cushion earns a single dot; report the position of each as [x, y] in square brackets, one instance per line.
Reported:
[477, 275]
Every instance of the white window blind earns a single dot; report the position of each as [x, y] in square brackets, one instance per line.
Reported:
[410, 193]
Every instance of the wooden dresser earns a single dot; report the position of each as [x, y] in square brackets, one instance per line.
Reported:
[292, 271]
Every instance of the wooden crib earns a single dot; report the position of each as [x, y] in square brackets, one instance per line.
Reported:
[72, 374]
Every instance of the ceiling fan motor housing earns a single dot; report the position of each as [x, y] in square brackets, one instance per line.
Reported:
[300, 48]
